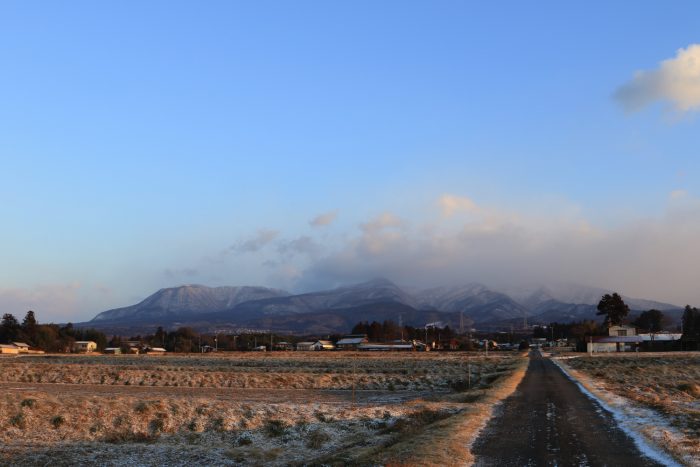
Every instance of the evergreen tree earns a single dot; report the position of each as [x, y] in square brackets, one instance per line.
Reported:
[29, 326]
[9, 328]
[613, 308]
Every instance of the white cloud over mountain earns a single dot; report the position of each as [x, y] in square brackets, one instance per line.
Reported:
[651, 257]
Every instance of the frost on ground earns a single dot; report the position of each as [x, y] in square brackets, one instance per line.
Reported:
[656, 395]
[295, 408]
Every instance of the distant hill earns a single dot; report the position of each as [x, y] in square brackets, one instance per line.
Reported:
[186, 302]
[337, 310]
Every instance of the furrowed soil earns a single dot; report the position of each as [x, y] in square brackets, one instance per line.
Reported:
[277, 408]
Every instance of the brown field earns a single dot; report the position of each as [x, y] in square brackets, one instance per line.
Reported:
[666, 383]
[248, 408]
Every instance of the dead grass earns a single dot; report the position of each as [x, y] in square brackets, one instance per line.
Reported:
[224, 430]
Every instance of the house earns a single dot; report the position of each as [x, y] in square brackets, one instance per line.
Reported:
[351, 342]
[619, 339]
[113, 350]
[6, 349]
[324, 345]
[283, 346]
[84, 346]
[23, 348]
[622, 331]
[305, 346]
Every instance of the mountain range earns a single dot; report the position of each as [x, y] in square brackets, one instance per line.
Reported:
[337, 310]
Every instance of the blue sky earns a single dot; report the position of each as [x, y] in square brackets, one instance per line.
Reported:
[142, 144]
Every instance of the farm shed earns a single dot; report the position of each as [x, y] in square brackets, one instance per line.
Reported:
[85, 346]
[113, 350]
[23, 348]
[324, 345]
[283, 346]
[156, 351]
[6, 349]
[351, 342]
[305, 346]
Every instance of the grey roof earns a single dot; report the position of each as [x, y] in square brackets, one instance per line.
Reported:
[351, 340]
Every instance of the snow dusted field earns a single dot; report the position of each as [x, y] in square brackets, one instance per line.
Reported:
[242, 408]
[655, 395]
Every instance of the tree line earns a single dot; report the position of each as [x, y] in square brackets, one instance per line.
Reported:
[46, 337]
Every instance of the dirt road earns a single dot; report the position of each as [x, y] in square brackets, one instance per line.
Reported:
[548, 421]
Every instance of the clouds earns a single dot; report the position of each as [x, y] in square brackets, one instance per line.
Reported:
[255, 243]
[324, 219]
[451, 204]
[453, 239]
[650, 258]
[676, 81]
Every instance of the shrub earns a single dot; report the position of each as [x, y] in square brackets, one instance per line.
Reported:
[18, 421]
[459, 385]
[317, 438]
[57, 421]
[218, 424]
[416, 421]
[141, 407]
[156, 425]
[30, 403]
[275, 428]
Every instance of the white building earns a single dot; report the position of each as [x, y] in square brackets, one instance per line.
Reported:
[324, 345]
[85, 346]
[619, 339]
[304, 346]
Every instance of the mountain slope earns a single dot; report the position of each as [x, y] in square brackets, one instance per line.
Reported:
[375, 291]
[474, 300]
[379, 299]
[187, 300]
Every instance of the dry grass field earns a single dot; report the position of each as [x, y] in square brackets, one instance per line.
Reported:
[666, 383]
[247, 408]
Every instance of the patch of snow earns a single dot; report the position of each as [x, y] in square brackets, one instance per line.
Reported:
[630, 419]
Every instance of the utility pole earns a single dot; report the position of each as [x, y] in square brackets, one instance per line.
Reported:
[354, 365]
[401, 325]
[469, 374]
[461, 322]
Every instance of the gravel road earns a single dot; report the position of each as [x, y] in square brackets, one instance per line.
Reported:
[548, 421]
